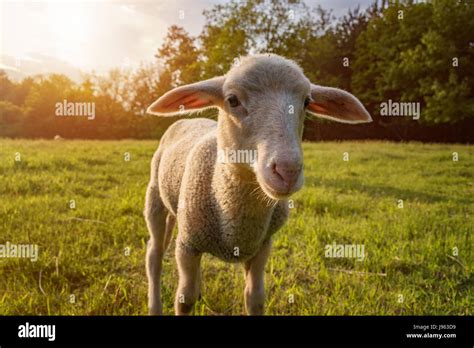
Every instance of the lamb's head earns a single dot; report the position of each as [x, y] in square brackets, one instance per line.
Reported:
[263, 101]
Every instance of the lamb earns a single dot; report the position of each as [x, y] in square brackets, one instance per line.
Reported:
[228, 209]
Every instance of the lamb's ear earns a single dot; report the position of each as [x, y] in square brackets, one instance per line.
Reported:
[337, 105]
[193, 97]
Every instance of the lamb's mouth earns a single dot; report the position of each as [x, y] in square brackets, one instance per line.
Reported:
[272, 193]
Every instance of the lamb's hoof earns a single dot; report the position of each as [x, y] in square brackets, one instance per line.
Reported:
[155, 311]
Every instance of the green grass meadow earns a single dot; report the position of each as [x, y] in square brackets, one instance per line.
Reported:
[419, 258]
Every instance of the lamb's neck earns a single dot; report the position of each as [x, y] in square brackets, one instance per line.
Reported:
[239, 195]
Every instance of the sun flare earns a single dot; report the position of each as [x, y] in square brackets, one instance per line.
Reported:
[70, 27]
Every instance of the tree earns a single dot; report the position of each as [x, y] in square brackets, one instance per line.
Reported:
[11, 119]
[255, 26]
[407, 54]
[179, 57]
[7, 87]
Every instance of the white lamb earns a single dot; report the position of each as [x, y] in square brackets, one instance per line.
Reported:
[231, 210]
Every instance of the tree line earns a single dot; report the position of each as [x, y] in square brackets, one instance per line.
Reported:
[393, 51]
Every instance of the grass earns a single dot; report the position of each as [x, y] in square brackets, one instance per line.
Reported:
[96, 266]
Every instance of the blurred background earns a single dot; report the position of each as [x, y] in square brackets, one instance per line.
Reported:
[122, 56]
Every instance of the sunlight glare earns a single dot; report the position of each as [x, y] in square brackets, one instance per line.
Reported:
[69, 26]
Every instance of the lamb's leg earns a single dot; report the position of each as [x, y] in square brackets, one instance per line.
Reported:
[155, 215]
[254, 280]
[189, 280]
[170, 222]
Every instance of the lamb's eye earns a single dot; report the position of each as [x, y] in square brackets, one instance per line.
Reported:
[306, 102]
[233, 101]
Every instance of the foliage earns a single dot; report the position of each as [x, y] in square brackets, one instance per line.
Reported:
[397, 50]
[408, 53]
[11, 117]
[180, 57]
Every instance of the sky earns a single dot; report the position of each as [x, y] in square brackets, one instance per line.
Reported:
[101, 34]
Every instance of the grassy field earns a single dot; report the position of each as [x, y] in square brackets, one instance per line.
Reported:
[91, 258]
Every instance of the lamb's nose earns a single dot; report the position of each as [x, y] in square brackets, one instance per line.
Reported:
[288, 172]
